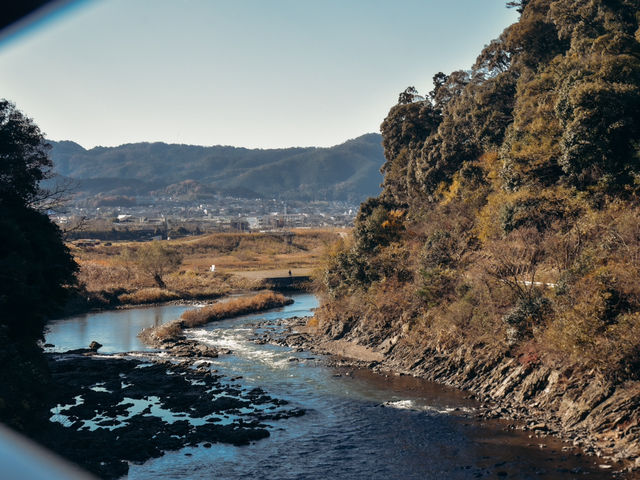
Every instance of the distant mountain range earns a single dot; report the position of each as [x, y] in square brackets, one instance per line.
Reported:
[349, 171]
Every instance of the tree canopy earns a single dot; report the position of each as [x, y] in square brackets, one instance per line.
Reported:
[155, 260]
[24, 160]
[35, 266]
[557, 95]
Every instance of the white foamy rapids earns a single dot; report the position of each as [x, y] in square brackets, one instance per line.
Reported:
[235, 341]
[411, 405]
[402, 404]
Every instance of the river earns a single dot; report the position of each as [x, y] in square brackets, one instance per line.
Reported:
[358, 425]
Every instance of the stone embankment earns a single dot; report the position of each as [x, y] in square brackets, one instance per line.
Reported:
[598, 416]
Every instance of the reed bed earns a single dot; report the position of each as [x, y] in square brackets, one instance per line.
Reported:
[232, 308]
[218, 311]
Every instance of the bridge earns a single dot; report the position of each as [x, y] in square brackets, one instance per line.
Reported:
[296, 278]
[284, 283]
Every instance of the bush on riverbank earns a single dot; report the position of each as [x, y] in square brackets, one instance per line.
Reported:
[148, 295]
[232, 308]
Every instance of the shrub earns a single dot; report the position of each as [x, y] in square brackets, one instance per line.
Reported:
[439, 250]
[348, 270]
[378, 223]
[154, 259]
[232, 308]
[527, 314]
[598, 324]
[437, 285]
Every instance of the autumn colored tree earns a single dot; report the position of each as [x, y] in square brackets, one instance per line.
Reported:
[511, 189]
[155, 259]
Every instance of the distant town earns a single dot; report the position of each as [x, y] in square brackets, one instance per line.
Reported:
[166, 218]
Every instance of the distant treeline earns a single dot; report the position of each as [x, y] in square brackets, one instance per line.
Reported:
[349, 172]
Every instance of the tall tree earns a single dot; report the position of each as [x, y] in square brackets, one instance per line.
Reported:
[35, 266]
[155, 260]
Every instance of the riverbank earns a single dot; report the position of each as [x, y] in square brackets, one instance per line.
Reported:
[81, 302]
[148, 402]
[355, 425]
[582, 409]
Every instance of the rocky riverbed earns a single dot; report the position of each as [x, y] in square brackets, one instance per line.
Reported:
[107, 411]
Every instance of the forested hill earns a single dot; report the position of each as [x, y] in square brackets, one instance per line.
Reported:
[349, 171]
[509, 223]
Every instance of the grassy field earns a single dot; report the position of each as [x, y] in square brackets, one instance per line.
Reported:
[242, 261]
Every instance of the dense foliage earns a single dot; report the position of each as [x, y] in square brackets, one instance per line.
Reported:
[35, 266]
[509, 216]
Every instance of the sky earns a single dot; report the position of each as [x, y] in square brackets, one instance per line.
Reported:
[248, 73]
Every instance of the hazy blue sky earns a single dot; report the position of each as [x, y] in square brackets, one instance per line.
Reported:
[254, 73]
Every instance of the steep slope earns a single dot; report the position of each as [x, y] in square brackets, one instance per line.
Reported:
[503, 254]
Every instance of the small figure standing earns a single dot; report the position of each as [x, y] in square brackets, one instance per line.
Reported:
[289, 272]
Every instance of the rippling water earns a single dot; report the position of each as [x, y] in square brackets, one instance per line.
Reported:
[357, 426]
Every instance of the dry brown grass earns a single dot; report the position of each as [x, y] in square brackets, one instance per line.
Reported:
[218, 311]
[155, 336]
[99, 276]
[104, 271]
[232, 308]
[148, 295]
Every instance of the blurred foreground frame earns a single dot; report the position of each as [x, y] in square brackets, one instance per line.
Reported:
[18, 15]
[20, 457]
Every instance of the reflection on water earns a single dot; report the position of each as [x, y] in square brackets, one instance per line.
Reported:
[116, 330]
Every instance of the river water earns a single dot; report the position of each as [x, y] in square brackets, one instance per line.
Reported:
[358, 425]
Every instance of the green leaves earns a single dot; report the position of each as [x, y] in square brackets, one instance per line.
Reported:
[601, 126]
